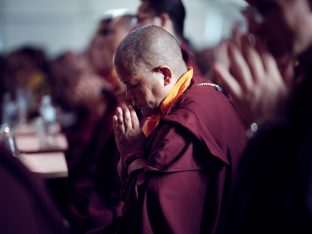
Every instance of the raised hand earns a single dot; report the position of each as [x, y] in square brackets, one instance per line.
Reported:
[253, 81]
[128, 135]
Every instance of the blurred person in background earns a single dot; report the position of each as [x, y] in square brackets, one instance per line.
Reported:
[27, 78]
[85, 100]
[273, 189]
[102, 47]
[71, 72]
[102, 214]
[97, 51]
[170, 15]
[218, 54]
[92, 192]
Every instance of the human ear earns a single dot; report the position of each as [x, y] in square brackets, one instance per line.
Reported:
[167, 74]
[164, 20]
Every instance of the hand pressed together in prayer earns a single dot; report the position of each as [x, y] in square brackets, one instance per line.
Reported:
[128, 135]
[253, 80]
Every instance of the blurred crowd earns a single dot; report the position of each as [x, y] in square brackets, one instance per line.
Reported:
[265, 75]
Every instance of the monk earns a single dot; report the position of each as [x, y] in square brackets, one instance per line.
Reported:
[91, 197]
[177, 169]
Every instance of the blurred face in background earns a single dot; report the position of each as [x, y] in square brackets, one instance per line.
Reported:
[117, 30]
[76, 86]
[145, 15]
[99, 53]
[106, 41]
[282, 24]
[148, 14]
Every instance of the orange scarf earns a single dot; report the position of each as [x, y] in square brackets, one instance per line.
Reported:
[166, 105]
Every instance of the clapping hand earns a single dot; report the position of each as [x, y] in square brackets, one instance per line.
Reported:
[253, 80]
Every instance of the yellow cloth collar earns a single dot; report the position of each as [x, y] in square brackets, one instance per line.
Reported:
[165, 107]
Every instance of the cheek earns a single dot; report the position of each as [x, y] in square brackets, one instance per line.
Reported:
[142, 96]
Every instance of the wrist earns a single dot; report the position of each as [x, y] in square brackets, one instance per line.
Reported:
[130, 157]
[136, 164]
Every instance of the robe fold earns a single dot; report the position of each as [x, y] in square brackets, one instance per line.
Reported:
[190, 157]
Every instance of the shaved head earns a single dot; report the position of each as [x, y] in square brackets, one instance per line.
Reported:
[149, 62]
[148, 47]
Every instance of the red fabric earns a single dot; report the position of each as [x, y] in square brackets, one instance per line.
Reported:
[25, 205]
[90, 196]
[191, 156]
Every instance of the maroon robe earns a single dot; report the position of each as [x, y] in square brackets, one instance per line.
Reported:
[190, 157]
[25, 206]
[105, 204]
[90, 196]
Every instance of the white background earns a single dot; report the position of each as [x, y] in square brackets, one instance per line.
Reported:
[57, 25]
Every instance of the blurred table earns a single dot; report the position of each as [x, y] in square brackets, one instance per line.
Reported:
[48, 165]
[46, 157]
[33, 143]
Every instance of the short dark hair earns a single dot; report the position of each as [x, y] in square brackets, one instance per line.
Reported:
[174, 8]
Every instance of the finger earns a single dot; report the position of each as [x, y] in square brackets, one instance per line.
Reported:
[239, 67]
[269, 62]
[126, 117]
[116, 131]
[134, 118]
[238, 40]
[115, 121]
[120, 121]
[116, 128]
[253, 59]
[270, 66]
[230, 84]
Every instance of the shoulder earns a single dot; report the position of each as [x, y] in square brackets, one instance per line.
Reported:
[201, 95]
[210, 117]
[203, 101]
